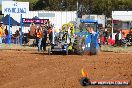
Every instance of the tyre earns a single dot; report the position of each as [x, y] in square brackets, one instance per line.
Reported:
[79, 46]
[67, 51]
[85, 81]
[93, 50]
[49, 51]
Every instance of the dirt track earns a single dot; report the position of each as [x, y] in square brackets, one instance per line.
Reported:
[30, 69]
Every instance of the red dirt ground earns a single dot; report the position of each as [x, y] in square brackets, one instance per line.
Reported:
[30, 69]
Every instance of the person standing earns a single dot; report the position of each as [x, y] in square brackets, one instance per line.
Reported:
[117, 38]
[1, 33]
[32, 30]
[39, 38]
[44, 38]
[50, 34]
[32, 34]
[6, 34]
[105, 36]
[17, 36]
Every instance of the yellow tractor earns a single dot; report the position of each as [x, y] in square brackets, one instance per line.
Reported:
[69, 28]
[63, 41]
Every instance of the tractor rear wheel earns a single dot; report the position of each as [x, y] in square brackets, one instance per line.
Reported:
[93, 50]
[79, 45]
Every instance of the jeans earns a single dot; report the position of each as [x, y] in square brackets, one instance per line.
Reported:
[39, 44]
[43, 44]
[17, 40]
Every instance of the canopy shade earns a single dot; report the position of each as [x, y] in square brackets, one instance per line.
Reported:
[5, 20]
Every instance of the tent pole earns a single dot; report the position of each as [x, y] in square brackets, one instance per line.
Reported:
[21, 30]
[112, 29]
[9, 36]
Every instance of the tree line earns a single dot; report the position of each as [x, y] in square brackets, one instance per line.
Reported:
[84, 6]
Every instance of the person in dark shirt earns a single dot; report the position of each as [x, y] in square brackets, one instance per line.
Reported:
[105, 36]
[117, 38]
[44, 38]
[50, 34]
[6, 33]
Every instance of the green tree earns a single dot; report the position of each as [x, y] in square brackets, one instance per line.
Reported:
[87, 6]
[31, 3]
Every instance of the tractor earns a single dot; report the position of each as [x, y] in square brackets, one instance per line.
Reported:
[79, 42]
[86, 40]
[62, 41]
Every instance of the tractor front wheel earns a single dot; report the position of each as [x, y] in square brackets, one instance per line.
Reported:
[49, 51]
[79, 46]
[67, 51]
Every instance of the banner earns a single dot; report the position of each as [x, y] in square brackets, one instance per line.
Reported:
[36, 21]
[13, 7]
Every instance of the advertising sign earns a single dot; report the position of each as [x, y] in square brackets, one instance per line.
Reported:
[13, 7]
[36, 21]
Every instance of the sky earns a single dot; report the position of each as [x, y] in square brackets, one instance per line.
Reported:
[4, 0]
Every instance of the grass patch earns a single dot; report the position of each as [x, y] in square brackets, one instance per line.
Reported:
[16, 46]
[116, 49]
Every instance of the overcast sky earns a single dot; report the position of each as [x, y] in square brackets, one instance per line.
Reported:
[4, 0]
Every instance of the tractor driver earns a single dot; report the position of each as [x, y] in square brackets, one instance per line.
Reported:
[66, 35]
[90, 30]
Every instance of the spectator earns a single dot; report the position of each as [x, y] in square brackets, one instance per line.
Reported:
[50, 34]
[39, 38]
[44, 38]
[1, 34]
[17, 35]
[6, 33]
[101, 36]
[33, 28]
[117, 38]
[105, 36]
